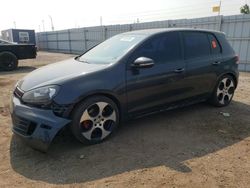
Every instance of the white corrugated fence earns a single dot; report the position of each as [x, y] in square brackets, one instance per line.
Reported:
[76, 41]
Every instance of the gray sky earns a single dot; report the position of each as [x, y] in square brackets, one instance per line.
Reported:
[30, 14]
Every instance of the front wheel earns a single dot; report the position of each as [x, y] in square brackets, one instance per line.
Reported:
[95, 119]
[224, 91]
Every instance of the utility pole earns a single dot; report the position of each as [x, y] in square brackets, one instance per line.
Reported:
[100, 20]
[52, 25]
[219, 9]
[14, 24]
[43, 25]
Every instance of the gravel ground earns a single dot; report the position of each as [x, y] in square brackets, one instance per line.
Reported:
[195, 146]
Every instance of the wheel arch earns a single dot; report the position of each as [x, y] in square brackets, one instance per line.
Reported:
[106, 94]
[213, 98]
[9, 52]
[233, 75]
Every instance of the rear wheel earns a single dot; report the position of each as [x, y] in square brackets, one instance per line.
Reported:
[95, 119]
[224, 91]
[8, 61]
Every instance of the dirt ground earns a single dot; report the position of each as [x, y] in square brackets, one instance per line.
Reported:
[195, 146]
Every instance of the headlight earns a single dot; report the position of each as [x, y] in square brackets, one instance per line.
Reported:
[42, 95]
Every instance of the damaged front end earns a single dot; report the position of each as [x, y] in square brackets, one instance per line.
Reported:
[37, 127]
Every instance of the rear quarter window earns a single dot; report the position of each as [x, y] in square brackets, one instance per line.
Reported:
[226, 47]
[214, 44]
[196, 44]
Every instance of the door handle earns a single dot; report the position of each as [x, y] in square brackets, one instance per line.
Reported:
[180, 70]
[216, 63]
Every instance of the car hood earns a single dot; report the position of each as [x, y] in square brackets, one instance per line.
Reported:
[56, 73]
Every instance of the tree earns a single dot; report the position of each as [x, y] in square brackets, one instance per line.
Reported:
[245, 9]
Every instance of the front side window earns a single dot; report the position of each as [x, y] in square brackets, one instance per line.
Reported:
[196, 44]
[163, 48]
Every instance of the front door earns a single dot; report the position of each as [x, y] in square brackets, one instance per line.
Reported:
[164, 82]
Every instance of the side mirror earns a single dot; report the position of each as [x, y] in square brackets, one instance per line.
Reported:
[143, 62]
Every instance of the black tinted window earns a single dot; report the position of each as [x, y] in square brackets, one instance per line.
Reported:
[215, 46]
[169, 48]
[196, 44]
[162, 49]
[147, 49]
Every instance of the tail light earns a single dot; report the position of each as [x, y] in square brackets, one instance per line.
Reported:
[237, 59]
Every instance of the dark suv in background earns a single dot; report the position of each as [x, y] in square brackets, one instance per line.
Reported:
[126, 76]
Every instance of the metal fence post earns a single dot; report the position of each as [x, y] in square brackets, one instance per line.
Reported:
[220, 22]
[47, 41]
[105, 33]
[85, 39]
[70, 49]
[57, 43]
[130, 27]
[38, 41]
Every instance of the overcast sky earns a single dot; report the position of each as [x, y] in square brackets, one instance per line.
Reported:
[30, 14]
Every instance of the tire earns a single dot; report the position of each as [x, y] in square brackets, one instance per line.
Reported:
[8, 61]
[94, 119]
[223, 92]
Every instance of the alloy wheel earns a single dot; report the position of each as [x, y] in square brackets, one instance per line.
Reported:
[225, 91]
[98, 121]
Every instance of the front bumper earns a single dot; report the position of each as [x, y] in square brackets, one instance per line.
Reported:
[37, 127]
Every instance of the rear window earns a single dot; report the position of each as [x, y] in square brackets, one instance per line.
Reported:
[196, 44]
[215, 46]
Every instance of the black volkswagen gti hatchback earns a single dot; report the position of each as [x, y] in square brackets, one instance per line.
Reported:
[126, 76]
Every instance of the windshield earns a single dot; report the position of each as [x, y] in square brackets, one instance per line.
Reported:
[112, 49]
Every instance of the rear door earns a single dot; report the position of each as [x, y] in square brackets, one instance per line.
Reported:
[216, 53]
[200, 72]
[165, 81]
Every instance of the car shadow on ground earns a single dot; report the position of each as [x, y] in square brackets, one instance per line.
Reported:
[168, 138]
[20, 69]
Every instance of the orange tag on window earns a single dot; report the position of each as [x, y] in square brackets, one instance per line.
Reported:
[214, 45]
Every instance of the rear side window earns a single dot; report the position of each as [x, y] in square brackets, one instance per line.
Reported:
[226, 47]
[215, 46]
[162, 48]
[196, 44]
[169, 48]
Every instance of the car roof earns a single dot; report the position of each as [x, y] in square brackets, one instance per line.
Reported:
[150, 32]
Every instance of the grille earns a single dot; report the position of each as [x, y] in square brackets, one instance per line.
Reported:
[18, 93]
[23, 126]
